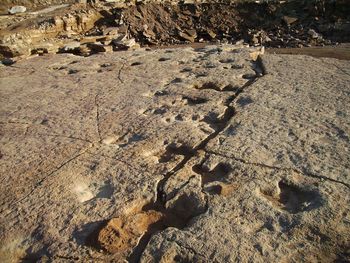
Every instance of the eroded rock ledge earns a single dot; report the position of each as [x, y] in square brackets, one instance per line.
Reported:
[217, 154]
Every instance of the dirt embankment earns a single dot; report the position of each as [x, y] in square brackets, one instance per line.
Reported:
[290, 24]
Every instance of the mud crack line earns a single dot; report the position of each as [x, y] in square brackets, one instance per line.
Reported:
[120, 72]
[171, 216]
[228, 115]
[40, 182]
[65, 137]
[262, 165]
[339, 68]
[98, 118]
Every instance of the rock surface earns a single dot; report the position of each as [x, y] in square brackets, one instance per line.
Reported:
[175, 155]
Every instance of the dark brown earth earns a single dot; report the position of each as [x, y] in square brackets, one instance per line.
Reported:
[341, 52]
[277, 25]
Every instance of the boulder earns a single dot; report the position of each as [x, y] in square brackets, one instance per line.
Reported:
[99, 47]
[211, 33]
[71, 46]
[189, 35]
[123, 42]
[313, 34]
[8, 61]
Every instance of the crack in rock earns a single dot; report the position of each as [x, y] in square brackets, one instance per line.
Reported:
[98, 117]
[303, 172]
[120, 72]
[186, 200]
[40, 182]
[66, 137]
[228, 115]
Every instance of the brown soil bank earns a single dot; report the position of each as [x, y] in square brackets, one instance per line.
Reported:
[291, 24]
[339, 52]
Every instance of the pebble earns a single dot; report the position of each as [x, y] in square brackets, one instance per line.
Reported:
[17, 9]
[313, 34]
[71, 46]
[8, 61]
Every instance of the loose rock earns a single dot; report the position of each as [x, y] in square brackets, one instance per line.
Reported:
[17, 10]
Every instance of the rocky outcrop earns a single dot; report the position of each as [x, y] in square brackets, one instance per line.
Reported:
[185, 155]
[29, 41]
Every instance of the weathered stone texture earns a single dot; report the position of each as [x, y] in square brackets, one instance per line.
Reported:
[175, 155]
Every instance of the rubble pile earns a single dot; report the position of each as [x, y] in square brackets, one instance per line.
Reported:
[103, 26]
